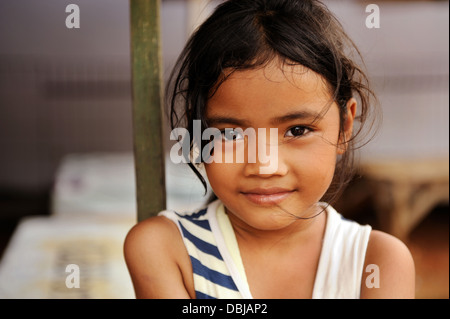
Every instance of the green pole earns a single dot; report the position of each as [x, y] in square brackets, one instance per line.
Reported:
[147, 107]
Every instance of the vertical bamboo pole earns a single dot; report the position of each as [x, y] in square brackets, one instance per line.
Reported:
[147, 107]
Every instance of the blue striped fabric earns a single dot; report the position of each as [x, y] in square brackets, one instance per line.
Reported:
[200, 244]
[212, 279]
[212, 275]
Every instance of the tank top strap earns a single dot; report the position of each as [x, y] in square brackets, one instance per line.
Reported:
[342, 258]
[214, 272]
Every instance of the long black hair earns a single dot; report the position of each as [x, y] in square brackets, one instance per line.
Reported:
[246, 34]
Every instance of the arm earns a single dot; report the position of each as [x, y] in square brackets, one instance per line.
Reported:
[158, 261]
[394, 262]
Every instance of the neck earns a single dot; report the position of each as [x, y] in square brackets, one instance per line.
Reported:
[297, 232]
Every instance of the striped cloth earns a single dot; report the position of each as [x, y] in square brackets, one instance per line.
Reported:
[213, 278]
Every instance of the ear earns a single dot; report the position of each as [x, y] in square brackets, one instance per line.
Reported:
[348, 126]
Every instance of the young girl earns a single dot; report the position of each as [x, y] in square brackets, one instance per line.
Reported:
[269, 64]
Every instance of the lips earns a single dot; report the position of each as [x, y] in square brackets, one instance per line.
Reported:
[267, 196]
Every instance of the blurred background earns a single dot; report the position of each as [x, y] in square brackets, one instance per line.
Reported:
[67, 186]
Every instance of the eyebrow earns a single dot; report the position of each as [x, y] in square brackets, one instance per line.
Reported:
[215, 120]
[301, 115]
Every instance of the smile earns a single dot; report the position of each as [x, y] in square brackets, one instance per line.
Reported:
[268, 196]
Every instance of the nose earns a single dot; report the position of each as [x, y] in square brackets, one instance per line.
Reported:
[264, 159]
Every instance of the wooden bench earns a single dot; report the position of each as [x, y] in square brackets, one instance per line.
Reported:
[405, 192]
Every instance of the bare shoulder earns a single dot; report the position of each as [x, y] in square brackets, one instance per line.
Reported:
[155, 228]
[157, 259]
[389, 268]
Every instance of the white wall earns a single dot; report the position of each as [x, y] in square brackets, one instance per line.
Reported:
[408, 61]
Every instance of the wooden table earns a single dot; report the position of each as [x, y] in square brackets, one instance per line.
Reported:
[406, 191]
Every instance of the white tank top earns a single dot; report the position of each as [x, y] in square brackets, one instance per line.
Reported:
[219, 272]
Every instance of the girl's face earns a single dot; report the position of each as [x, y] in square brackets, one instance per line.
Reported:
[297, 102]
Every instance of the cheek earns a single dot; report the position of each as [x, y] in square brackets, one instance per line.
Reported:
[218, 173]
[313, 165]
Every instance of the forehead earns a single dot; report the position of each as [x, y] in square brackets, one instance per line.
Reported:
[270, 90]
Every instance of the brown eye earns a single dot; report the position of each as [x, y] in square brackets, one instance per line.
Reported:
[297, 131]
[231, 135]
